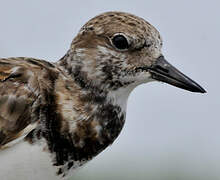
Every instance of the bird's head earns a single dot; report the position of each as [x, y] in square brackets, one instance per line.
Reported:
[115, 50]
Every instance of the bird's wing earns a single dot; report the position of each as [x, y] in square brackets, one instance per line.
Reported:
[19, 91]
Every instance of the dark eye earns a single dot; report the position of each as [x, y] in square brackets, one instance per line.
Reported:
[120, 42]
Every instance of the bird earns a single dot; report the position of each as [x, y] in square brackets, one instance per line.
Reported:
[57, 116]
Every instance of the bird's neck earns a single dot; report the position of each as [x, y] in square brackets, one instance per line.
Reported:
[108, 105]
[72, 63]
[98, 118]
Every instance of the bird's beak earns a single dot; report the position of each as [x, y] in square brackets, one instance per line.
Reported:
[165, 72]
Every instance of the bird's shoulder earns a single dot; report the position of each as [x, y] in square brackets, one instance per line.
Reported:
[21, 81]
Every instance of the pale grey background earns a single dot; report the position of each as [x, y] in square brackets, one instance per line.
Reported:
[170, 134]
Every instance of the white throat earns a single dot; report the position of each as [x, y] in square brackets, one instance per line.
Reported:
[120, 96]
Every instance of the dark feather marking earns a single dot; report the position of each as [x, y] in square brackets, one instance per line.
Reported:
[34, 62]
[39, 63]
[95, 94]
[12, 76]
[2, 138]
[4, 63]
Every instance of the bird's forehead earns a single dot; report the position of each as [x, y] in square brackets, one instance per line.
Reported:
[119, 22]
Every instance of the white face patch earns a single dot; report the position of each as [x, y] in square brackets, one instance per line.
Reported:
[142, 77]
[110, 53]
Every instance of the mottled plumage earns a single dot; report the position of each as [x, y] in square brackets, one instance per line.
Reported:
[73, 109]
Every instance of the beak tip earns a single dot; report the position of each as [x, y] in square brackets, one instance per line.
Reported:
[198, 89]
[202, 91]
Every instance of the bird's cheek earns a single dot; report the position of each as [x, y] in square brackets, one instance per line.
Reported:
[146, 61]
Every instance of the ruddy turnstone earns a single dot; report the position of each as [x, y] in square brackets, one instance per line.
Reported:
[55, 117]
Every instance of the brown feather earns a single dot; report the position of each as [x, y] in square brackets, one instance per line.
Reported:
[19, 90]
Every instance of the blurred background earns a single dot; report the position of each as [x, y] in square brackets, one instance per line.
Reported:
[170, 134]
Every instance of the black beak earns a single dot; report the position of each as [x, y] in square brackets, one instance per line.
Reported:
[165, 72]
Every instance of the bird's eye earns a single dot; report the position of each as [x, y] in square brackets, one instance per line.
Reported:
[120, 42]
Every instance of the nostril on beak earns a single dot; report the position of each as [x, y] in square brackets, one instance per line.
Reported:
[161, 69]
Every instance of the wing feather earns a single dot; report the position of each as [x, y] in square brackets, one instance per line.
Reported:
[19, 90]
